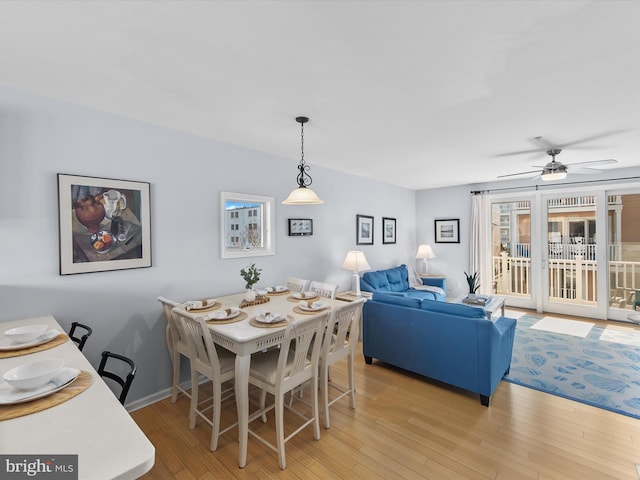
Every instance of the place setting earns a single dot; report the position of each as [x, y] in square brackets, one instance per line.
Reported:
[307, 307]
[29, 339]
[227, 315]
[277, 290]
[266, 319]
[297, 296]
[36, 386]
[200, 306]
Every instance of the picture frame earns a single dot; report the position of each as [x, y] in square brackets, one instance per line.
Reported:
[447, 230]
[103, 224]
[388, 230]
[364, 230]
[300, 227]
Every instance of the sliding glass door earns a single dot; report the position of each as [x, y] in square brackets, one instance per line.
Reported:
[568, 252]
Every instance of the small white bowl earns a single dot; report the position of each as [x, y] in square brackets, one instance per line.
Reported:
[33, 375]
[25, 334]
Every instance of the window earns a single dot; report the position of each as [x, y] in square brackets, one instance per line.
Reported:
[244, 236]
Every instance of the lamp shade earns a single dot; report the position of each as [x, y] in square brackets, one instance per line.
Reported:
[355, 262]
[425, 251]
[302, 196]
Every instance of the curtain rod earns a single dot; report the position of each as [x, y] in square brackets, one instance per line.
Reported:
[537, 186]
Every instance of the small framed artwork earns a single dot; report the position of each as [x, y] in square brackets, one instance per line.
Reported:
[104, 224]
[300, 227]
[388, 230]
[364, 230]
[447, 230]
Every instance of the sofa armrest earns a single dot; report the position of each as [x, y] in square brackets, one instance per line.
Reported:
[435, 282]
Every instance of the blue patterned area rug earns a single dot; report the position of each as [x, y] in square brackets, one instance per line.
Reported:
[602, 369]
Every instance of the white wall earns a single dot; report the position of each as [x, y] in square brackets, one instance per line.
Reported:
[40, 137]
[452, 258]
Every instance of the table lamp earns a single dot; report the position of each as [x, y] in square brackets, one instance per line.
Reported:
[356, 262]
[425, 252]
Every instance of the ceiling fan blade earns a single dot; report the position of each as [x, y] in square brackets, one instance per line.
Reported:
[520, 152]
[542, 143]
[592, 137]
[585, 170]
[595, 163]
[517, 174]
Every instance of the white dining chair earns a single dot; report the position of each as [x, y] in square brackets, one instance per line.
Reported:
[279, 371]
[177, 345]
[326, 290]
[340, 342]
[214, 362]
[297, 284]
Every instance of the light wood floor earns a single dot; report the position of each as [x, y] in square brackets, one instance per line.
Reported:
[409, 427]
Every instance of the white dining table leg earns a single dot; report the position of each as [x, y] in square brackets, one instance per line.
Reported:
[243, 362]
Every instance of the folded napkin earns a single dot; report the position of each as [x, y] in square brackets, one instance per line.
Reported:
[222, 314]
[9, 394]
[306, 295]
[312, 305]
[196, 304]
[270, 317]
[277, 288]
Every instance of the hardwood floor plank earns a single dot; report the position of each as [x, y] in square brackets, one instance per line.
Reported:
[408, 427]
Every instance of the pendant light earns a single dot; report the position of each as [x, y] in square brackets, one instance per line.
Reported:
[303, 195]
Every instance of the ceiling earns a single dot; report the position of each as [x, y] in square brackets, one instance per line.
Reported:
[420, 94]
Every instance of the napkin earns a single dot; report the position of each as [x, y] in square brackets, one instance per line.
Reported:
[9, 395]
[312, 305]
[192, 304]
[278, 288]
[306, 295]
[222, 314]
[270, 317]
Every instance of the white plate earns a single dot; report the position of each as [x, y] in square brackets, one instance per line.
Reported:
[6, 344]
[276, 289]
[26, 333]
[304, 295]
[12, 396]
[222, 314]
[316, 306]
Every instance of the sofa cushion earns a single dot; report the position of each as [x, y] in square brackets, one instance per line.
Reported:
[378, 280]
[453, 309]
[397, 299]
[398, 278]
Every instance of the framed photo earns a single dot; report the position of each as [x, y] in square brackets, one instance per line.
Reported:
[300, 227]
[447, 230]
[388, 230]
[364, 230]
[104, 224]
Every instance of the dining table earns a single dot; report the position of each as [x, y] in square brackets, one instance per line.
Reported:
[92, 424]
[246, 336]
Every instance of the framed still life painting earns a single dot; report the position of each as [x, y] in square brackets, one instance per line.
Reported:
[104, 224]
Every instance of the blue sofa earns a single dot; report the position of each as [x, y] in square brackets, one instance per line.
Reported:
[396, 280]
[453, 343]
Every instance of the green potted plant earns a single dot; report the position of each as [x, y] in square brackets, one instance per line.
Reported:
[474, 283]
[251, 276]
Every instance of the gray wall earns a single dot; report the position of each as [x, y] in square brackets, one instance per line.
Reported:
[40, 137]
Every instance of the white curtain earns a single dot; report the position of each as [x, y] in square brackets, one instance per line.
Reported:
[480, 245]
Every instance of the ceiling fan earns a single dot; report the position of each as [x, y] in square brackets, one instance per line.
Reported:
[555, 170]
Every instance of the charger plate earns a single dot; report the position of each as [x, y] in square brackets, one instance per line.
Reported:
[54, 342]
[79, 385]
[255, 323]
[297, 309]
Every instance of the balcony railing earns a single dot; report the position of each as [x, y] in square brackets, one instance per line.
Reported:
[572, 280]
